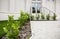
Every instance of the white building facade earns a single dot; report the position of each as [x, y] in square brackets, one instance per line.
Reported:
[13, 7]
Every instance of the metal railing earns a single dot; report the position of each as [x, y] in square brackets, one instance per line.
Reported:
[43, 10]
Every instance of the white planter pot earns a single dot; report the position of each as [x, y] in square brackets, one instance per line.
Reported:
[45, 29]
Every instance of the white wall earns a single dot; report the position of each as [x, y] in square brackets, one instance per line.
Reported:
[19, 5]
[53, 6]
[58, 8]
[28, 5]
[13, 7]
[48, 4]
[8, 7]
[45, 29]
[3, 5]
[5, 16]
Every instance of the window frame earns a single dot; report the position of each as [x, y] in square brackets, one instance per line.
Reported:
[40, 2]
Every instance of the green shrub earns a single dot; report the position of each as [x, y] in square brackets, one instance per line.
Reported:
[2, 24]
[32, 17]
[21, 22]
[37, 17]
[54, 17]
[48, 16]
[11, 29]
[42, 17]
[28, 19]
[24, 17]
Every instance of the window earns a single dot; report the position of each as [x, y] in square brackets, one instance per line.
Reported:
[36, 6]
